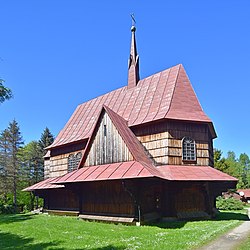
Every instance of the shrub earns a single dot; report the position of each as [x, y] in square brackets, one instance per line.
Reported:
[228, 204]
[6, 209]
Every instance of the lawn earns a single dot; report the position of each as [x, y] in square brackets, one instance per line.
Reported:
[27, 231]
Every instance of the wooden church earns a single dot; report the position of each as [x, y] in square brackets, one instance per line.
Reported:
[137, 153]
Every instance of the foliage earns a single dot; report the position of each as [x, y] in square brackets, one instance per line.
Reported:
[5, 93]
[228, 203]
[54, 232]
[239, 168]
[20, 166]
[46, 139]
[11, 142]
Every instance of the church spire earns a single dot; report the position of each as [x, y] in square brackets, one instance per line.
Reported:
[133, 61]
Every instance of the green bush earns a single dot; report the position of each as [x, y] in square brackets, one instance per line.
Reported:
[228, 204]
[7, 209]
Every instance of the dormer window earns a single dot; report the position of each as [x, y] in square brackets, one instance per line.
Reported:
[188, 149]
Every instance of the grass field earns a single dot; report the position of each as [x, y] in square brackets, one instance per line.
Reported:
[27, 231]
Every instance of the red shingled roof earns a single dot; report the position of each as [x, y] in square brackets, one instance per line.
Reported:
[165, 95]
[114, 171]
[132, 170]
[245, 191]
[45, 184]
[193, 173]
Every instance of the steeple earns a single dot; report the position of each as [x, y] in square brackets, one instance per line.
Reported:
[133, 61]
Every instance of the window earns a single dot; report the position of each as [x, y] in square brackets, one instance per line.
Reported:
[188, 149]
[78, 158]
[73, 161]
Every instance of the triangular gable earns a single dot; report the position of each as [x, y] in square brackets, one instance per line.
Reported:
[118, 145]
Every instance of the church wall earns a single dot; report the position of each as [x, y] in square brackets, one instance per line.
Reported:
[164, 142]
[106, 197]
[58, 164]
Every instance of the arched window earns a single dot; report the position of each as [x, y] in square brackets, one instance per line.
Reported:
[78, 157]
[188, 149]
[71, 163]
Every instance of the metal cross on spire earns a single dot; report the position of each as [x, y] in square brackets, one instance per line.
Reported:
[133, 19]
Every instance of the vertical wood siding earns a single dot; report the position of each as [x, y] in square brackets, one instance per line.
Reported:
[107, 146]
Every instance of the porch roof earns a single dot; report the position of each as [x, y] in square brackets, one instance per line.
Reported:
[114, 171]
[134, 170]
[45, 184]
[193, 173]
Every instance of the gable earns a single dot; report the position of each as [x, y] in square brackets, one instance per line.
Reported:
[107, 146]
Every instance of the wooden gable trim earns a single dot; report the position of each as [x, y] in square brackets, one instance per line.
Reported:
[93, 134]
[134, 146]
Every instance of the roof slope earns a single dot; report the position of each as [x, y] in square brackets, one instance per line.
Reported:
[45, 184]
[193, 173]
[134, 170]
[167, 94]
[113, 171]
[245, 191]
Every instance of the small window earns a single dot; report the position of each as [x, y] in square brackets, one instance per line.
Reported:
[105, 130]
[71, 163]
[188, 149]
[78, 158]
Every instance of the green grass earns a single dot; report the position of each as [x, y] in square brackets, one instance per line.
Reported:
[245, 245]
[31, 232]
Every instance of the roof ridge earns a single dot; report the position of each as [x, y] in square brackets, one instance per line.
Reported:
[172, 96]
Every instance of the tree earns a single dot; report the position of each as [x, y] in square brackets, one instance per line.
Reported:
[14, 142]
[244, 162]
[5, 93]
[32, 166]
[4, 166]
[238, 168]
[219, 161]
[46, 139]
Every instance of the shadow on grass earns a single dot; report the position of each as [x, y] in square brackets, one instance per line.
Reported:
[9, 218]
[12, 241]
[110, 247]
[231, 216]
[221, 216]
[170, 224]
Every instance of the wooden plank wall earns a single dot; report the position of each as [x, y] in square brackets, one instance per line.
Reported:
[107, 146]
[46, 168]
[107, 197]
[62, 199]
[58, 165]
[164, 142]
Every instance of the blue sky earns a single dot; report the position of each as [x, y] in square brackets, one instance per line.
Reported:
[57, 54]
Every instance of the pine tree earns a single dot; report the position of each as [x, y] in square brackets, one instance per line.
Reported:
[4, 166]
[46, 139]
[14, 143]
